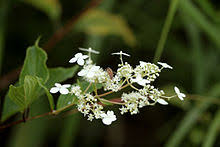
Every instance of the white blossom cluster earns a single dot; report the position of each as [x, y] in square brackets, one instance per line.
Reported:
[91, 103]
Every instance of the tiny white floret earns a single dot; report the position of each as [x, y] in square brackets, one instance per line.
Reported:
[60, 88]
[162, 101]
[165, 65]
[108, 118]
[179, 94]
[121, 53]
[79, 58]
[90, 50]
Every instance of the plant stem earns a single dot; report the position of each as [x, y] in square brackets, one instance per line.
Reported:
[166, 29]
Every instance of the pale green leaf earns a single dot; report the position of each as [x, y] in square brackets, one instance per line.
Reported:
[99, 22]
[35, 64]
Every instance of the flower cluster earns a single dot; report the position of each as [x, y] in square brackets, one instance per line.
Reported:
[139, 78]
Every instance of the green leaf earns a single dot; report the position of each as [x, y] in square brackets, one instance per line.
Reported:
[9, 108]
[35, 64]
[25, 94]
[51, 7]
[98, 22]
[49, 96]
[65, 100]
[60, 74]
[212, 131]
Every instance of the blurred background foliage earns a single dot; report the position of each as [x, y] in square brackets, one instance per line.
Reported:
[183, 33]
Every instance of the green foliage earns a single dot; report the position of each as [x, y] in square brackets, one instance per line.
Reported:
[35, 64]
[25, 94]
[98, 22]
[35, 80]
[65, 100]
[51, 7]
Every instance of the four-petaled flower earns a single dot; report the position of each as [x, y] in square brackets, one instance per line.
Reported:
[141, 81]
[121, 53]
[79, 58]
[61, 88]
[165, 65]
[90, 50]
[179, 94]
[108, 118]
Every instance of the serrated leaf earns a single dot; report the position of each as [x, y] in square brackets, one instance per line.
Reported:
[60, 74]
[99, 22]
[35, 64]
[51, 7]
[65, 100]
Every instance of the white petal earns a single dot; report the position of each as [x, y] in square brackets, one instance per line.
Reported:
[54, 90]
[64, 90]
[57, 84]
[162, 101]
[82, 73]
[176, 90]
[73, 60]
[182, 95]
[66, 85]
[78, 55]
[85, 56]
[80, 61]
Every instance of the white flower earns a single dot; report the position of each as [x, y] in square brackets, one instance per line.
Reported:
[79, 58]
[141, 81]
[165, 65]
[179, 94]
[90, 72]
[90, 50]
[61, 88]
[108, 118]
[120, 53]
[162, 101]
